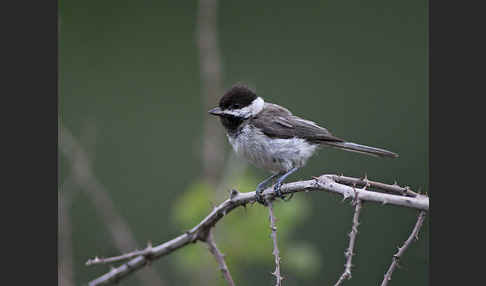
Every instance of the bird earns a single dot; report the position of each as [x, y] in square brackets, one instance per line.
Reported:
[272, 138]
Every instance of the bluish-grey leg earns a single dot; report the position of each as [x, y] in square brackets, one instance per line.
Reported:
[280, 180]
[262, 187]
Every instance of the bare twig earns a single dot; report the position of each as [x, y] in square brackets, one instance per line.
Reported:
[352, 239]
[86, 180]
[401, 250]
[126, 256]
[276, 252]
[330, 183]
[219, 258]
[367, 183]
[210, 71]
[199, 232]
[66, 195]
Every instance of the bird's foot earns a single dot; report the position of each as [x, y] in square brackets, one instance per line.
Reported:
[279, 194]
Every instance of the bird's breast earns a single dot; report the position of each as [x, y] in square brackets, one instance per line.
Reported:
[272, 154]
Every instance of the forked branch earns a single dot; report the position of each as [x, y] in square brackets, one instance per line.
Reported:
[326, 183]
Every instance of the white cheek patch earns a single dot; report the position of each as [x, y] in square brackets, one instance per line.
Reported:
[256, 106]
[253, 109]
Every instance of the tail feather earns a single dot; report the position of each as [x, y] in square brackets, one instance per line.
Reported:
[353, 147]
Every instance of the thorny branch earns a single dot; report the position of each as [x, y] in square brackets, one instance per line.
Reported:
[326, 183]
[276, 252]
[401, 250]
[122, 257]
[352, 238]
[406, 191]
[219, 258]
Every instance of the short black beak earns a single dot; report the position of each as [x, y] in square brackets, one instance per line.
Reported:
[216, 111]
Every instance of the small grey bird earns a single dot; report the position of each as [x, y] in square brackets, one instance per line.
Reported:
[271, 137]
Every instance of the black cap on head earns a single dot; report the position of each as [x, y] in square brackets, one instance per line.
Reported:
[237, 97]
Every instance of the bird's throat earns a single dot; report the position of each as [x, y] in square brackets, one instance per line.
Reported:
[231, 124]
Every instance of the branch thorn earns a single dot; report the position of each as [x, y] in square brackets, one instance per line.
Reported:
[233, 194]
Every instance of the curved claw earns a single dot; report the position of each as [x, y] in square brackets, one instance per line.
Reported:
[277, 190]
[278, 193]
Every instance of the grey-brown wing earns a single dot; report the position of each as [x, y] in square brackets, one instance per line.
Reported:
[278, 122]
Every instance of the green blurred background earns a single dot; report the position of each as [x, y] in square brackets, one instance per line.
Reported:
[130, 92]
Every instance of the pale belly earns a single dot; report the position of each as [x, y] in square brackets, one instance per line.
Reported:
[273, 155]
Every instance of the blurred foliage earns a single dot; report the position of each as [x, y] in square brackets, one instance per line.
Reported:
[244, 234]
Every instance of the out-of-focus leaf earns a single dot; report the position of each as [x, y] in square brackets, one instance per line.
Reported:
[303, 258]
[191, 208]
[245, 234]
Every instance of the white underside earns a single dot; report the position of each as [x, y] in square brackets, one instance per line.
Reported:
[273, 155]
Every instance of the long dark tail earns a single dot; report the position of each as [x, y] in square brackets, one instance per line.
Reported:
[353, 147]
